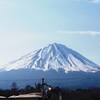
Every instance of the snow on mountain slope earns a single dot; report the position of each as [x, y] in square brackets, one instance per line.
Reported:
[54, 56]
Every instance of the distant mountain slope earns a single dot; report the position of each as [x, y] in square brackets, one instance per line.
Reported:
[54, 56]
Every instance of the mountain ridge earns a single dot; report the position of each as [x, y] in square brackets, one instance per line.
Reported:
[54, 56]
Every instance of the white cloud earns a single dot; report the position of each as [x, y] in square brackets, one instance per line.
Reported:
[94, 1]
[93, 33]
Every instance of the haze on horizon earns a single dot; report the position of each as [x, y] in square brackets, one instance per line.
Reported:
[27, 25]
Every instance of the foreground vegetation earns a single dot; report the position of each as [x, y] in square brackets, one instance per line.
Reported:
[78, 94]
[82, 94]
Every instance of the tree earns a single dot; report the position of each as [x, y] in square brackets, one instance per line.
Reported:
[14, 88]
[29, 89]
[38, 87]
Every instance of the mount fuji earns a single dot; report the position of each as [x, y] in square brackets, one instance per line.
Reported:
[54, 61]
[54, 56]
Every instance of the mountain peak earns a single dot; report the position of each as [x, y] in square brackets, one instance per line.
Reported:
[56, 44]
[54, 56]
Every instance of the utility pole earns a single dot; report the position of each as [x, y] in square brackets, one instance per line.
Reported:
[42, 89]
[60, 96]
[43, 92]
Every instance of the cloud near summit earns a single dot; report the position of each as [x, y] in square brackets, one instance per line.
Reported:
[93, 1]
[93, 33]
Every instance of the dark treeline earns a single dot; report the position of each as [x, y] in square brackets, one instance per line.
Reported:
[81, 94]
[53, 94]
[16, 91]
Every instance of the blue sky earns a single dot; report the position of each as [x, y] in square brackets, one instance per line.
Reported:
[26, 25]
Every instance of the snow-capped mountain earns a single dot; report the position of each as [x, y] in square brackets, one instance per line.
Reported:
[54, 56]
[58, 64]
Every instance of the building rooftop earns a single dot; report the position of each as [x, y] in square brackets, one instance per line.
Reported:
[31, 95]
